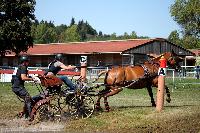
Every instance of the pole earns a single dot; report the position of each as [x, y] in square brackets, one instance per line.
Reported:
[83, 62]
[173, 81]
[161, 84]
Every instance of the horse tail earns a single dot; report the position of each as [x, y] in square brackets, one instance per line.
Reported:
[99, 75]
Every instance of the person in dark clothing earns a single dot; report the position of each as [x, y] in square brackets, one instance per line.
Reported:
[19, 89]
[55, 66]
[197, 69]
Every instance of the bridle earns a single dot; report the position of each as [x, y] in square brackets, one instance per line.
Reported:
[172, 60]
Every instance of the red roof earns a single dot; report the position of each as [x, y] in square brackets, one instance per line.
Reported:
[86, 47]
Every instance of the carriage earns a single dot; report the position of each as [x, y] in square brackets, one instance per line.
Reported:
[57, 103]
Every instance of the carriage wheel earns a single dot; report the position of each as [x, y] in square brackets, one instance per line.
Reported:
[47, 112]
[81, 106]
[63, 105]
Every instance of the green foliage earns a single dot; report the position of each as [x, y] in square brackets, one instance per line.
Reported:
[187, 14]
[44, 32]
[113, 36]
[174, 37]
[190, 42]
[71, 34]
[72, 22]
[16, 18]
[47, 32]
[86, 31]
[126, 36]
[59, 31]
[133, 35]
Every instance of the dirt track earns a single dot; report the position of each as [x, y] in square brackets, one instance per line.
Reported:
[187, 124]
[21, 125]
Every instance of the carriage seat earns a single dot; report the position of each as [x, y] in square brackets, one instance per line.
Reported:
[50, 81]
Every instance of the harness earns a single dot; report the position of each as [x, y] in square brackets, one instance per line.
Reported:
[131, 82]
[147, 74]
[172, 59]
[146, 71]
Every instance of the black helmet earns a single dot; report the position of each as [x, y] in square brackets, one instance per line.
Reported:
[59, 56]
[23, 58]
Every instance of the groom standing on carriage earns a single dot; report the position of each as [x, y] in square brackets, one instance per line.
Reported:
[19, 89]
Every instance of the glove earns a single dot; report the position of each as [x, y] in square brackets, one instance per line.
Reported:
[76, 69]
[36, 80]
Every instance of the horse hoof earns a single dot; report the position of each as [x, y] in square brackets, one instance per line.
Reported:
[98, 108]
[107, 109]
[168, 100]
[153, 105]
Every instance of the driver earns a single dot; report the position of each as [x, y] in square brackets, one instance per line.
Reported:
[55, 66]
[19, 89]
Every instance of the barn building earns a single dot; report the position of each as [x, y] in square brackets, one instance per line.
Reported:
[100, 53]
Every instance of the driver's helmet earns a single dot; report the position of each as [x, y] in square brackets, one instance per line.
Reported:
[24, 58]
[59, 56]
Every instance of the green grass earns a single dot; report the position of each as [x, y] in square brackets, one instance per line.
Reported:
[131, 110]
[10, 105]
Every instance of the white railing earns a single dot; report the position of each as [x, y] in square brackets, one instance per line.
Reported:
[92, 72]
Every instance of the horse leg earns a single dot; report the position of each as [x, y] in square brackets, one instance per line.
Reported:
[97, 105]
[106, 104]
[100, 95]
[151, 95]
[111, 93]
[168, 99]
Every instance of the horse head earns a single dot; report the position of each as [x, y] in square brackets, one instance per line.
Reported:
[173, 60]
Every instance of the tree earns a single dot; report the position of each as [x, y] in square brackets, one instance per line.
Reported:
[85, 30]
[187, 14]
[100, 34]
[16, 17]
[71, 34]
[133, 35]
[174, 37]
[44, 32]
[113, 36]
[72, 22]
[126, 36]
[190, 42]
[59, 30]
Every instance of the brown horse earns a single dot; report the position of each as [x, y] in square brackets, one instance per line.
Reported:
[135, 77]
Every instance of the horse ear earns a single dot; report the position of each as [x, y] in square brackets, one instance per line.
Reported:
[173, 53]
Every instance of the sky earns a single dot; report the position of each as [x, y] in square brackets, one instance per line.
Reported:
[150, 18]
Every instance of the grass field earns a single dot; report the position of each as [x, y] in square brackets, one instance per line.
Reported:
[131, 111]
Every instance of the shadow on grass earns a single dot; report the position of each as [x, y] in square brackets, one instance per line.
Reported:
[170, 106]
